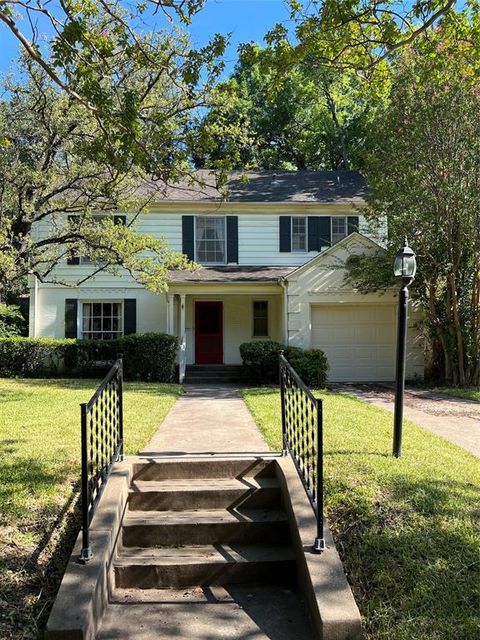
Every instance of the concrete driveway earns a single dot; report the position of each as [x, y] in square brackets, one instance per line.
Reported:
[454, 419]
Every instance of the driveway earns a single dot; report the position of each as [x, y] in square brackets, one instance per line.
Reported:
[454, 419]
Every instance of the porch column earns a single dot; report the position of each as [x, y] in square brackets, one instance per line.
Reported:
[170, 316]
[182, 316]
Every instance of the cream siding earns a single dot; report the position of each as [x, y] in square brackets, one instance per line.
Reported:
[258, 242]
[237, 322]
[151, 309]
[322, 284]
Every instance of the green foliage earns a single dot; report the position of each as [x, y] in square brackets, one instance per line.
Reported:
[27, 357]
[12, 322]
[148, 357]
[424, 176]
[301, 117]
[406, 528]
[260, 360]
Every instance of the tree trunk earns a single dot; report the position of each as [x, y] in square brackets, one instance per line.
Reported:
[338, 128]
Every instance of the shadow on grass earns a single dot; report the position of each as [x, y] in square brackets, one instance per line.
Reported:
[36, 544]
[411, 556]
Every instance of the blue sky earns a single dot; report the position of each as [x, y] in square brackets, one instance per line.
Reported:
[247, 20]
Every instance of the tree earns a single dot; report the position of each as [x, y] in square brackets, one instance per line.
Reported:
[56, 175]
[424, 171]
[301, 119]
[356, 34]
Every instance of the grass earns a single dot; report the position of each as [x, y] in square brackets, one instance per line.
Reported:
[407, 529]
[468, 393]
[39, 472]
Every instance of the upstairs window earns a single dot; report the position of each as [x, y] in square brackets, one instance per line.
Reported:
[210, 239]
[102, 320]
[299, 233]
[339, 228]
[260, 318]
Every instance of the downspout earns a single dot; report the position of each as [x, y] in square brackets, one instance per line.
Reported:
[284, 285]
[35, 303]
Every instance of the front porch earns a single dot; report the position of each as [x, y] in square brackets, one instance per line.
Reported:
[211, 319]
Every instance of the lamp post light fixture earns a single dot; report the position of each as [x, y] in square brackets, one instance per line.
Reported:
[404, 269]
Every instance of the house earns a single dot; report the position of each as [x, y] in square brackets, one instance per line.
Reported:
[274, 252]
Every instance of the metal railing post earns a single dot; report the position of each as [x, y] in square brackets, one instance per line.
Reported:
[86, 552]
[120, 407]
[282, 402]
[319, 544]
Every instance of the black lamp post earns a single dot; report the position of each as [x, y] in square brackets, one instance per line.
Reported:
[404, 269]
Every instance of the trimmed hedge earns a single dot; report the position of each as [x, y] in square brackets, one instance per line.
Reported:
[148, 356]
[260, 361]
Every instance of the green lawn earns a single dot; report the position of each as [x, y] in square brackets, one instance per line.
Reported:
[39, 472]
[469, 393]
[407, 529]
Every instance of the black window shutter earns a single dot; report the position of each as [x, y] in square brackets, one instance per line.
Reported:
[232, 239]
[313, 233]
[285, 234]
[130, 316]
[188, 242]
[324, 231]
[71, 310]
[120, 220]
[352, 224]
[73, 259]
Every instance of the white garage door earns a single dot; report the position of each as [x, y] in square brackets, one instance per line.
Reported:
[358, 340]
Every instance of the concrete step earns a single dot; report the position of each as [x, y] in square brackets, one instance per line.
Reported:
[236, 612]
[206, 493]
[216, 526]
[212, 379]
[204, 468]
[184, 567]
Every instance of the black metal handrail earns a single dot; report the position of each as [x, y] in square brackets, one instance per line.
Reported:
[302, 438]
[102, 445]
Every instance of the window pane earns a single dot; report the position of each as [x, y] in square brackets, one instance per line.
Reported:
[101, 320]
[299, 236]
[210, 239]
[339, 228]
[260, 318]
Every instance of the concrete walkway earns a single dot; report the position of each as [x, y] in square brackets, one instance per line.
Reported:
[207, 419]
[454, 419]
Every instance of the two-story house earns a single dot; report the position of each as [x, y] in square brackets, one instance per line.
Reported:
[274, 255]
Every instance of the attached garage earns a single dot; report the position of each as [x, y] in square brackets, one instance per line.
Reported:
[359, 340]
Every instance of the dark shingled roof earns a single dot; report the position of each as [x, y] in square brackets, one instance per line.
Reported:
[336, 187]
[231, 274]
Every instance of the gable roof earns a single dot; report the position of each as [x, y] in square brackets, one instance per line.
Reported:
[355, 236]
[330, 187]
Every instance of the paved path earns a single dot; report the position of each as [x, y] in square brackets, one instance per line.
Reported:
[455, 419]
[207, 419]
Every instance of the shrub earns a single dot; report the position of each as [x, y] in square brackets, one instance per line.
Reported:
[260, 360]
[24, 357]
[311, 365]
[149, 356]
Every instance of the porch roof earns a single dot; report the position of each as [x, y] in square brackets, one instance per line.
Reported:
[224, 274]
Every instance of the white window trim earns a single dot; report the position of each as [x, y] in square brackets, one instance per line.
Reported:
[210, 264]
[306, 235]
[80, 304]
[253, 319]
[345, 218]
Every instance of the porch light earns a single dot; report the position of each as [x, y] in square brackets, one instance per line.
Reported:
[405, 264]
[404, 268]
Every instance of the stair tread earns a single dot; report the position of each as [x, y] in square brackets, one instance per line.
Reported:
[203, 484]
[202, 516]
[204, 554]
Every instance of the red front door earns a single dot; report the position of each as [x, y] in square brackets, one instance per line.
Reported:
[209, 332]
